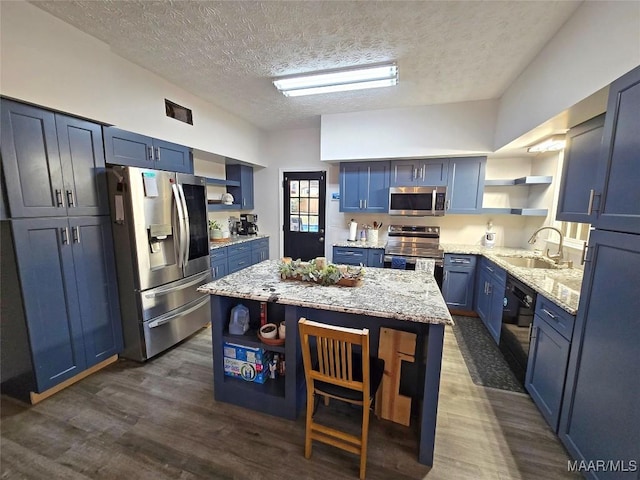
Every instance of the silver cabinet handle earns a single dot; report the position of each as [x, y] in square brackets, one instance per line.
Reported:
[583, 260]
[70, 201]
[444, 276]
[414, 174]
[75, 233]
[365, 204]
[592, 193]
[150, 153]
[64, 234]
[423, 170]
[447, 204]
[59, 197]
[549, 313]
[158, 154]
[489, 288]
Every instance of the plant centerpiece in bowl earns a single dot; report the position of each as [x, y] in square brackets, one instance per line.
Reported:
[318, 271]
[215, 230]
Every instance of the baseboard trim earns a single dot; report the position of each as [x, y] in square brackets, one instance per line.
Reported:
[38, 397]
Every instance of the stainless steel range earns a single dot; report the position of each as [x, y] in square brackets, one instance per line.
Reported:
[408, 243]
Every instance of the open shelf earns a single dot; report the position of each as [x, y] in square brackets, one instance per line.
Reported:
[221, 182]
[530, 212]
[214, 207]
[522, 181]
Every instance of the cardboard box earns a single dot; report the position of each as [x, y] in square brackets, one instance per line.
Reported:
[246, 354]
[251, 372]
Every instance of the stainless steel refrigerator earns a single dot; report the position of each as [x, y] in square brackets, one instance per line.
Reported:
[161, 241]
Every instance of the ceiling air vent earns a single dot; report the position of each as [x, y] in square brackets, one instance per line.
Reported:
[178, 112]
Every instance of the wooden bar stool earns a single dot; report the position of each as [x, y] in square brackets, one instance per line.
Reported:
[342, 372]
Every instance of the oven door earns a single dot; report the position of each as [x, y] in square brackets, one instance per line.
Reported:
[417, 201]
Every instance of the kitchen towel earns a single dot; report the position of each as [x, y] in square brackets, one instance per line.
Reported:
[399, 263]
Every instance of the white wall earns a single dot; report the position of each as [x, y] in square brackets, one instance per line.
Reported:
[599, 43]
[289, 150]
[435, 130]
[50, 63]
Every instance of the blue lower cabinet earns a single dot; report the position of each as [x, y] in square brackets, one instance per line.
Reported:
[238, 262]
[350, 256]
[259, 250]
[64, 301]
[375, 257]
[546, 369]
[219, 262]
[458, 281]
[489, 300]
[226, 260]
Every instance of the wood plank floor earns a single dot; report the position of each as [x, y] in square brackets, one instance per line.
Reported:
[159, 421]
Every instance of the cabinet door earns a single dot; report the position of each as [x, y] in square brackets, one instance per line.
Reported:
[457, 287]
[243, 194]
[375, 257]
[48, 281]
[350, 256]
[238, 262]
[482, 297]
[496, 294]
[350, 196]
[434, 173]
[465, 186]
[31, 161]
[172, 157]
[600, 418]
[94, 262]
[619, 175]
[546, 369]
[404, 173]
[219, 269]
[579, 169]
[377, 187]
[128, 148]
[83, 166]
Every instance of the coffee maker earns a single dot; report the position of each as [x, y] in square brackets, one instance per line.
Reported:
[248, 224]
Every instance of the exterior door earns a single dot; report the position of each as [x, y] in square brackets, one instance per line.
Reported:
[304, 211]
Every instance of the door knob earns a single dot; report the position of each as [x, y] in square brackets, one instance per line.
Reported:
[321, 239]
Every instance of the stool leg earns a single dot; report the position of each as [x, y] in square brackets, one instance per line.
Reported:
[307, 436]
[365, 435]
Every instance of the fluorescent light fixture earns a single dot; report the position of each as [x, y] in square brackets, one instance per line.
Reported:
[371, 76]
[551, 144]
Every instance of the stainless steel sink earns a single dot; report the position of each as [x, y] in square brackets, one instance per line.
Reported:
[528, 262]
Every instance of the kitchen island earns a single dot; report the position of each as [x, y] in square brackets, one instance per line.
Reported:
[396, 299]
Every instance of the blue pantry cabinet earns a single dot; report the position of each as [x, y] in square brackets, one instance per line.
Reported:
[53, 163]
[600, 418]
[60, 305]
[364, 187]
[132, 149]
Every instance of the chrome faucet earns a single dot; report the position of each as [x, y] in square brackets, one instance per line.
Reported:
[557, 257]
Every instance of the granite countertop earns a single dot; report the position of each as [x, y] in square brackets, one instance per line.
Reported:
[359, 244]
[234, 240]
[399, 294]
[561, 286]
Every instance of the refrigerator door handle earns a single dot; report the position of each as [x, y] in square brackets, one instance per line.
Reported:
[158, 292]
[179, 225]
[168, 317]
[187, 227]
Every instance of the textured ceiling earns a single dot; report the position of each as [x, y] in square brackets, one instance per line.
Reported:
[227, 51]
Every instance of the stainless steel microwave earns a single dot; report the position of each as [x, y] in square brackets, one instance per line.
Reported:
[417, 201]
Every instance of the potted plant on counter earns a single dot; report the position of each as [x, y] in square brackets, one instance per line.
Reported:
[215, 230]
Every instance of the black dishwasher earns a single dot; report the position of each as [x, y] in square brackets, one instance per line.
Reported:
[517, 316]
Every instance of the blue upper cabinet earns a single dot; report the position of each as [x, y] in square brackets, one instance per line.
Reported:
[242, 194]
[409, 173]
[364, 187]
[135, 150]
[617, 179]
[53, 164]
[579, 170]
[465, 186]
